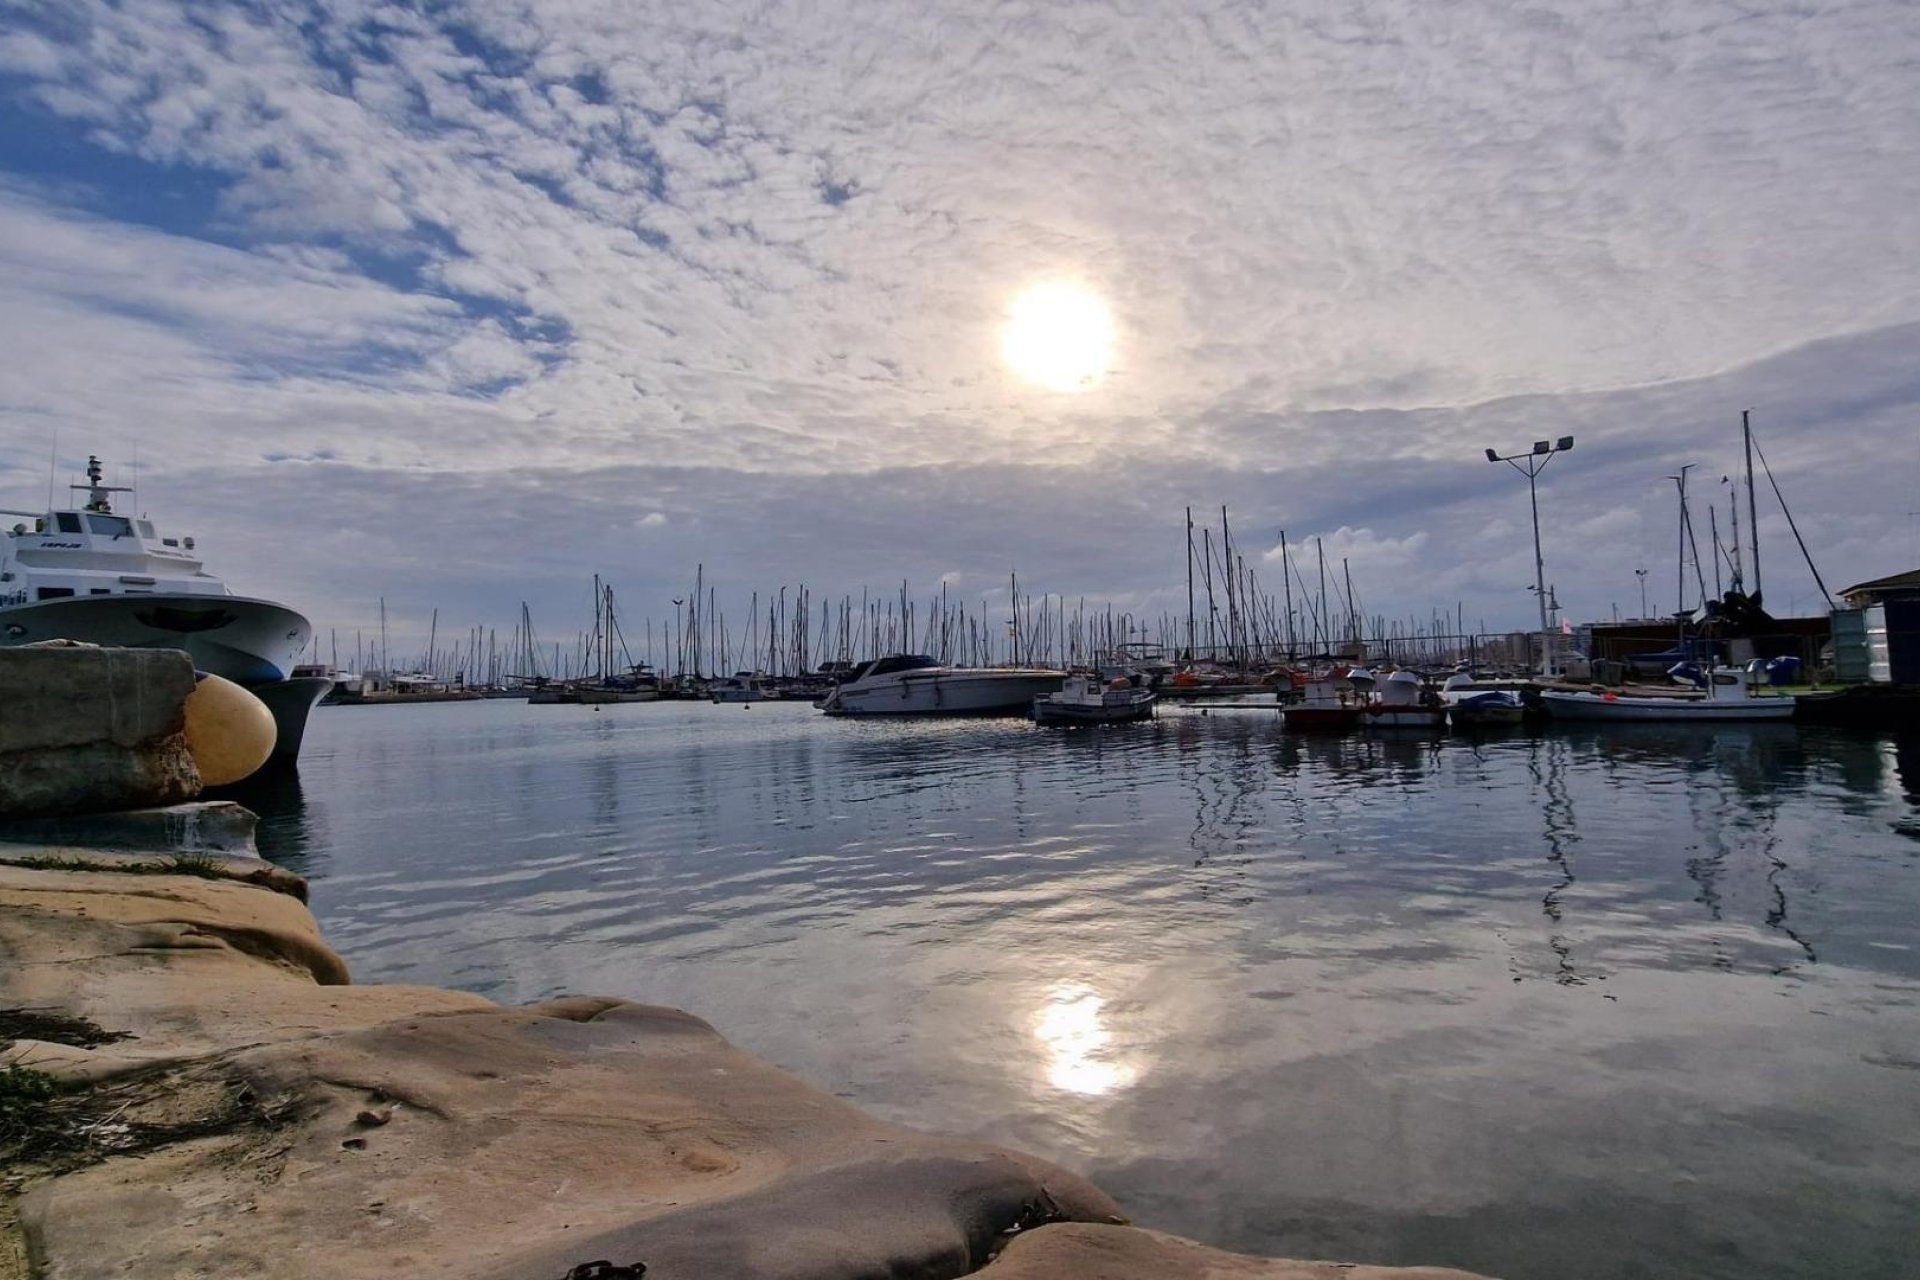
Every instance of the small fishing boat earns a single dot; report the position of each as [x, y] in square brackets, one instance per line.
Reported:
[1085, 700]
[1334, 701]
[746, 686]
[1729, 696]
[1405, 703]
[1487, 709]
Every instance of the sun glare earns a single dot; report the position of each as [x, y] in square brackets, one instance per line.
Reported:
[1058, 336]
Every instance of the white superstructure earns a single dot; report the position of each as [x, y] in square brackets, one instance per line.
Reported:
[97, 576]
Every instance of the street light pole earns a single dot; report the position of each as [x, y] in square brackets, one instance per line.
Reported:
[1535, 461]
[1642, 575]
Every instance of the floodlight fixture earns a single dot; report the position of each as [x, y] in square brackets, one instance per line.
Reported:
[1530, 464]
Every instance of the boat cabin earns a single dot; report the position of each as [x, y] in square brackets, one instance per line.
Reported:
[895, 664]
[95, 552]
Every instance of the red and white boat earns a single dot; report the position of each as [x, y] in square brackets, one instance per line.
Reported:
[1334, 701]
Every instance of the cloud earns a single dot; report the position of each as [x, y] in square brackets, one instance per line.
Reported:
[511, 246]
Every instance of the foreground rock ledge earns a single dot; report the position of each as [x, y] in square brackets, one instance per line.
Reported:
[322, 1129]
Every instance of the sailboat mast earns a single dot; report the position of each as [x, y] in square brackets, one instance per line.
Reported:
[1189, 584]
[1753, 514]
[1286, 584]
[1321, 626]
[1739, 566]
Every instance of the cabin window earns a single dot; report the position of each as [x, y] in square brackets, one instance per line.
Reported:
[55, 593]
[100, 591]
[112, 526]
[67, 521]
[145, 527]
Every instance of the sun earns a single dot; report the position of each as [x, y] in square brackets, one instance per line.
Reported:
[1059, 336]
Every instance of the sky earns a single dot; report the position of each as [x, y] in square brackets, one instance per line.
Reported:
[459, 304]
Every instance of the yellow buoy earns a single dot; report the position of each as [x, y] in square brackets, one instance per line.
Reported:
[230, 733]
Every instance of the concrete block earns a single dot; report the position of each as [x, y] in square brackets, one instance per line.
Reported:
[89, 729]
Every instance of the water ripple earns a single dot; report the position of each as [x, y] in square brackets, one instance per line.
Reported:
[1589, 1004]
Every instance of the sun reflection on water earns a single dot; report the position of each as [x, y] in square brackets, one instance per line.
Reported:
[1078, 1043]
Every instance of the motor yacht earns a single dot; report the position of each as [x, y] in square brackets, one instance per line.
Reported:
[913, 684]
[104, 578]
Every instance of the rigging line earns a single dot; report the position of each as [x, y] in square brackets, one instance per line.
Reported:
[1804, 553]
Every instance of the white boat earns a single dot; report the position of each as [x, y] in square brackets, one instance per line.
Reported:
[1729, 697]
[107, 579]
[913, 684]
[1332, 701]
[1087, 700]
[1403, 702]
[746, 686]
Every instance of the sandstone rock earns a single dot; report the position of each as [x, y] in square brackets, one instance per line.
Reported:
[1090, 1251]
[89, 729]
[519, 1143]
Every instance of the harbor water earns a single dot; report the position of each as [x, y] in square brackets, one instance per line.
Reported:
[1641, 1001]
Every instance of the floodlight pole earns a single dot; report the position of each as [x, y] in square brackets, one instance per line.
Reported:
[1536, 460]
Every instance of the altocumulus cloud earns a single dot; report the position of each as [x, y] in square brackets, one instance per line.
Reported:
[746, 264]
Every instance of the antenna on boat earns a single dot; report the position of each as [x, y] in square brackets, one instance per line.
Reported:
[97, 491]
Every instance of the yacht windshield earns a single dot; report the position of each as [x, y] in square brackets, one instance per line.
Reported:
[112, 526]
[898, 662]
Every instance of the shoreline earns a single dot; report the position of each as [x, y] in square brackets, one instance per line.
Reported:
[270, 1117]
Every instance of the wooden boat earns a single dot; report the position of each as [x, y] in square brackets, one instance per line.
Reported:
[1084, 700]
[1729, 697]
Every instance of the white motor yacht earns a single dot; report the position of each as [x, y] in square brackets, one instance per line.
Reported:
[913, 684]
[108, 579]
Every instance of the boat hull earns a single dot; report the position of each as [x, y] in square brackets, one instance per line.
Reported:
[1487, 717]
[1405, 717]
[291, 702]
[944, 693]
[606, 697]
[1322, 719]
[245, 640]
[1048, 711]
[1598, 707]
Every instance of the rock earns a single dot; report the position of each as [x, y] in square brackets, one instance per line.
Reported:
[1090, 1251]
[89, 729]
[199, 827]
[581, 1137]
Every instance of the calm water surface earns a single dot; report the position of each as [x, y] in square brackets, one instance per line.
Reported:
[1631, 1003]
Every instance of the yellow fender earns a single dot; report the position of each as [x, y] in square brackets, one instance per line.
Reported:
[230, 733]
